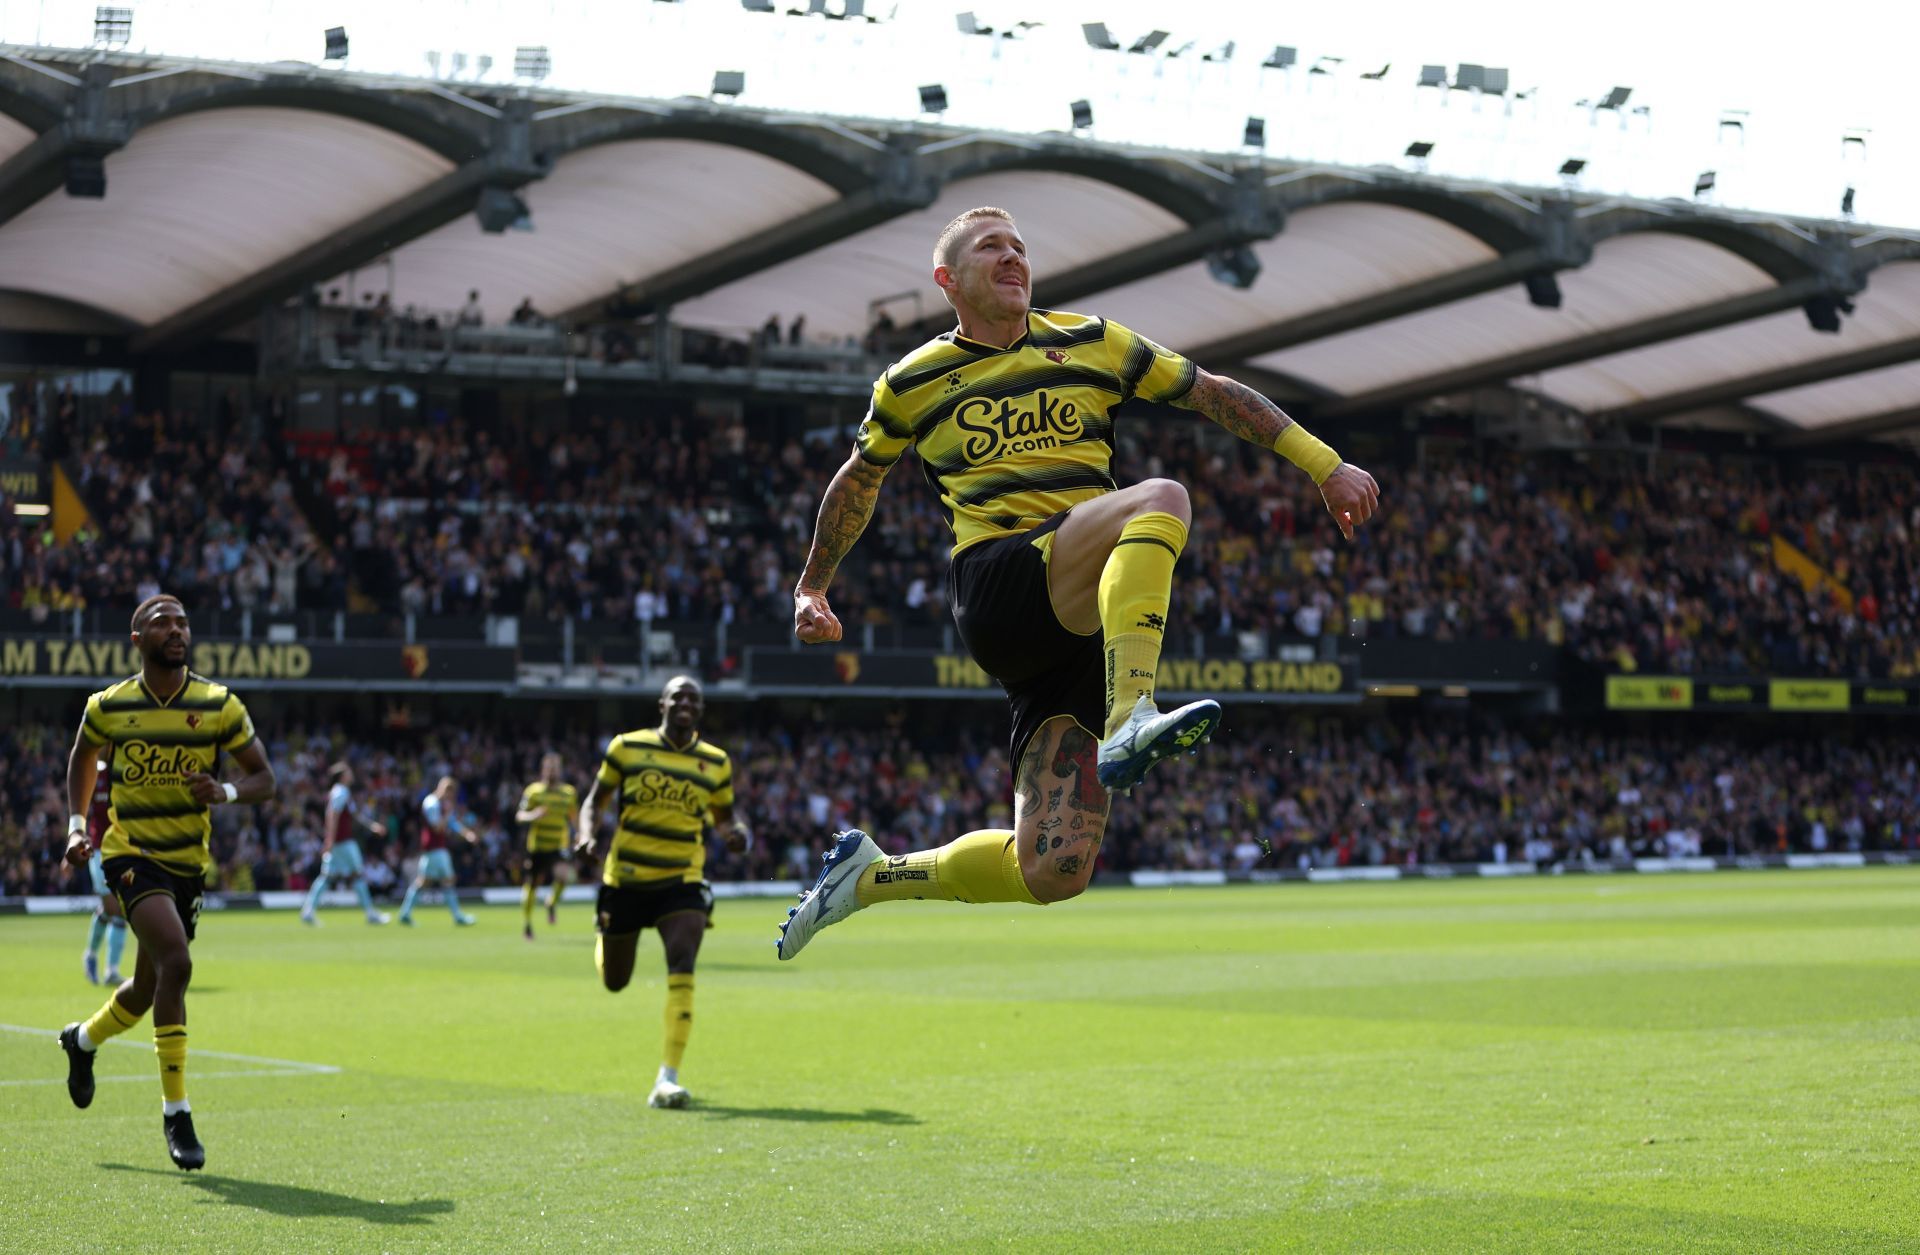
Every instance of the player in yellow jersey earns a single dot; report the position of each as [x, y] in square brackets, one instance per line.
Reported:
[1059, 580]
[674, 788]
[547, 808]
[168, 728]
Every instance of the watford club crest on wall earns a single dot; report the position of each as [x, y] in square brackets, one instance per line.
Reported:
[847, 666]
[413, 661]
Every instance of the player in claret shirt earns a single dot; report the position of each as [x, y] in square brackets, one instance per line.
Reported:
[108, 923]
[436, 863]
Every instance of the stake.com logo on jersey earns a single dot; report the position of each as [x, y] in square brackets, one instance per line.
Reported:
[993, 433]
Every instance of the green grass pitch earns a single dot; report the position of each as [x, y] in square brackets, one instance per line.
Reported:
[1644, 1063]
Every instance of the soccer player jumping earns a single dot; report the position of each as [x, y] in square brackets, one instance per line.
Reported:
[1059, 580]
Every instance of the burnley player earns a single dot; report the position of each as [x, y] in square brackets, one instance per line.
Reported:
[340, 858]
[436, 863]
[108, 923]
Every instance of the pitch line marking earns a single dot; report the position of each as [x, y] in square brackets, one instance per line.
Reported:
[286, 1067]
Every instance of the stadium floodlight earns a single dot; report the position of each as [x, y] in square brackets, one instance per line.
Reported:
[1823, 312]
[1846, 203]
[500, 210]
[532, 61]
[1432, 76]
[1149, 42]
[1420, 149]
[1237, 267]
[336, 44]
[1703, 184]
[1097, 37]
[1615, 98]
[1374, 76]
[1572, 166]
[729, 83]
[1255, 136]
[1082, 114]
[1735, 121]
[1223, 53]
[1495, 82]
[757, 6]
[86, 177]
[1543, 290]
[1326, 65]
[933, 98]
[970, 25]
[1281, 58]
[1468, 77]
[112, 26]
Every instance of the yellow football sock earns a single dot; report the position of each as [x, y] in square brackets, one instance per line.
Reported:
[526, 902]
[553, 895]
[110, 1020]
[982, 866]
[679, 1018]
[1135, 589]
[600, 956]
[170, 1043]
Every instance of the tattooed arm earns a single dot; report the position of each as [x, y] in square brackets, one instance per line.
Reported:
[844, 512]
[1237, 408]
[1350, 493]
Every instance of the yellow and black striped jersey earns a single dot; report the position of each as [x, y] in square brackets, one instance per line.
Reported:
[1009, 437]
[666, 795]
[550, 831]
[156, 746]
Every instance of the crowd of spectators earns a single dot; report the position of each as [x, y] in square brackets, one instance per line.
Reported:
[1271, 792]
[706, 522]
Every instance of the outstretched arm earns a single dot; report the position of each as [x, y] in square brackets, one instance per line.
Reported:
[1350, 493]
[844, 513]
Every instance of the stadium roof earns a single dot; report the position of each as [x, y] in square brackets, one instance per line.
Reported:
[227, 188]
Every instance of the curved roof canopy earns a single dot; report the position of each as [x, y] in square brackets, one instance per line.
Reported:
[225, 192]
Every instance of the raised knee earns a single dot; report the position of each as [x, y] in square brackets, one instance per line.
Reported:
[1167, 496]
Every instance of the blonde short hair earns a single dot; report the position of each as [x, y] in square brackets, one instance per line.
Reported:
[951, 233]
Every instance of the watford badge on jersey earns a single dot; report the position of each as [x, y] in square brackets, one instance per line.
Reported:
[1056, 356]
[193, 721]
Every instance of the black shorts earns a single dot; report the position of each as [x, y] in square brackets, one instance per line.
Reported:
[540, 863]
[131, 878]
[998, 591]
[627, 910]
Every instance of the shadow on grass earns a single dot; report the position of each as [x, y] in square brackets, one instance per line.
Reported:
[805, 1115]
[293, 1200]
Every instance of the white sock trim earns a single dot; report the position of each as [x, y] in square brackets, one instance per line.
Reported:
[85, 1042]
[670, 1075]
[174, 1108]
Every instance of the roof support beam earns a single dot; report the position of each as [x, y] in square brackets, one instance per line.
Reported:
[1381, 306]
[508, 165]
[1852, 429]
[1231, 230]
[1895, 353]
[75, 146]
[1634, 335]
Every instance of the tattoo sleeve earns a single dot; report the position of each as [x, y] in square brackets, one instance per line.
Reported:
[1237, 408]
[844, 512]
